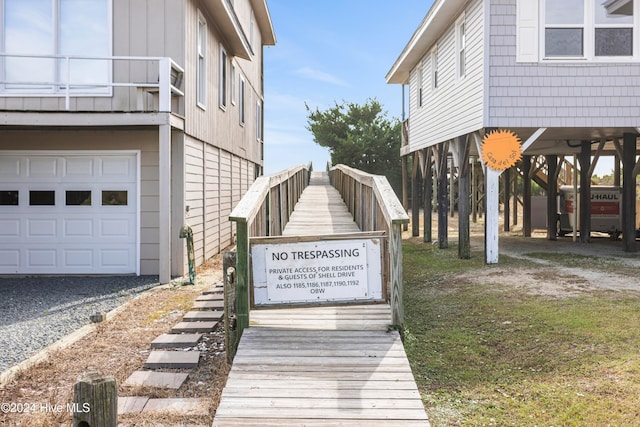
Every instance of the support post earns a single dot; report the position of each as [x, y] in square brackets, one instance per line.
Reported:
[585, 192]
[415, 196]
[95, 401]
[526, 196]
[629, 192]
[428, 197]
[242, 276]
[464, 236]
[492, 211]
[443, 199]
[507, 199]
[164, 200]
[514, 219]
[552, 197]
[405, 191]
[474, 191]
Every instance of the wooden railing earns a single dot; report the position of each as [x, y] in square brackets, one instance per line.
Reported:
[263, 211]
[375, 207]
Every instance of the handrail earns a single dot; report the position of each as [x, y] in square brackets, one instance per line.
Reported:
[170, 76]
[375, 207]
[264, 210]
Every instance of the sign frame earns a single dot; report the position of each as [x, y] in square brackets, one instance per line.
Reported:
[312, 279]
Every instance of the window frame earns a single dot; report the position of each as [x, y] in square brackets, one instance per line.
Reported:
[259, 122]
[201, 61]
[241, 99]
[420, 83]
[434, 68]
[232, 82]
[223, 59]
[589, 27]
[461, 46]
[59, 88]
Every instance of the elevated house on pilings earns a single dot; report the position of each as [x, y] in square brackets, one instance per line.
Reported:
[563, 75]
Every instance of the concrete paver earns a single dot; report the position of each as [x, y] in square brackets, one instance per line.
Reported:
[131, 404]
[179, 406]
[203, 316]
[176, 340]
[208, 305]
[172, 359]
[170, 380]
[189, 327]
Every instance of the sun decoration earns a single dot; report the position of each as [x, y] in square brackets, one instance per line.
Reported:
[501, 149]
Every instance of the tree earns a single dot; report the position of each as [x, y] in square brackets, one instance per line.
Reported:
[360, 136]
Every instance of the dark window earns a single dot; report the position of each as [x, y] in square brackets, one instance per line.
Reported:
[78, 198]
[8, 198]
[42, 198]
[114, 198]
[614, 41]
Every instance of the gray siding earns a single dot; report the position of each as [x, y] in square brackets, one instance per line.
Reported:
[456, 106]
[561, 94]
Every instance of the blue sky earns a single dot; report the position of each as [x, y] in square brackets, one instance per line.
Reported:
[327, 51]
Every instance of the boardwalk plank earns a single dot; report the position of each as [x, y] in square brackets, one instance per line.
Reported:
[321, 366]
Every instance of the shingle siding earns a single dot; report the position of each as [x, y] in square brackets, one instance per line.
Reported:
[561, 94]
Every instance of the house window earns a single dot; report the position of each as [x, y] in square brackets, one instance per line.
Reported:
[233, 84]
[420, 70]
[588, 28]
[222, 79]
[434, 67]
[259, 121]
[241, 100]
[461, 44]
[201, 69]
[56, 27]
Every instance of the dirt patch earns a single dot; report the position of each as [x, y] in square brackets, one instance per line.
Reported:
[118, 347]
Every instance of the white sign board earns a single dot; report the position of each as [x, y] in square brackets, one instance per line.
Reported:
[320, 271]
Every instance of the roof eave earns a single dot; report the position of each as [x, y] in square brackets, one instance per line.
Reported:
[437, 20]
[263, 18]
[227, 20]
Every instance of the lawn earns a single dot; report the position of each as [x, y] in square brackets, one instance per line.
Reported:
[498, 355]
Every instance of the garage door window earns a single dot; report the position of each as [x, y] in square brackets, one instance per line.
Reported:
[42, 198]
[114, 198]
[8, 198]
[78, 198]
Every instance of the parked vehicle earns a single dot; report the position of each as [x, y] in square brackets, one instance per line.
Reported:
[606, 208]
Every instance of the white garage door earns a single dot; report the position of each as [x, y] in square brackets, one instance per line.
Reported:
[68, 212]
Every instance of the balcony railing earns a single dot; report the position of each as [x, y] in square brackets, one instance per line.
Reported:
[70, 76]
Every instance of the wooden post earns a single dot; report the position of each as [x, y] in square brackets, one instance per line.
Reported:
[415, 198]
[452, 191]
[585, 192]
[428, 196]
[405, 191]
[514, 218]
[242, 276]
[629, 192]
[491, 213]
[464, 236]
[526, 196]
[95, 401]
[443, 199]
[507, 199]
[552, 202]
[474, 192]
[616, 171]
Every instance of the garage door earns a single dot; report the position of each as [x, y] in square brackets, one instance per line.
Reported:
[68, 213]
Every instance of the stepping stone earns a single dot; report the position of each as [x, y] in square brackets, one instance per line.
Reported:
[172, 380]
[172, 359]
[208, 305]
[214, 290]
[210, 297]
[192, 327]
[176, 340]
[131, 405]
[179, 406]
[204, 316]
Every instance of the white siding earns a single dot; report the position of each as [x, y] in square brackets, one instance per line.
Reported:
[455, 107]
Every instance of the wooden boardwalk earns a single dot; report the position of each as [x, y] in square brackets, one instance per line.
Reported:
[324, 365]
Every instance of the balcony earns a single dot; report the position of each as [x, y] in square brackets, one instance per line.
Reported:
[91, 83]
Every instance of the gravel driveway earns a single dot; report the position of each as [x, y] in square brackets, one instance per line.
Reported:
[37, 311]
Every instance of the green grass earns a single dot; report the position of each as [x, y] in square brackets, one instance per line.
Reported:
[494, 355]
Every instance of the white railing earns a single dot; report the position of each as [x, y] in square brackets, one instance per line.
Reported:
[168, 83]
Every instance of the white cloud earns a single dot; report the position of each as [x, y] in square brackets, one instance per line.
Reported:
[321, 76]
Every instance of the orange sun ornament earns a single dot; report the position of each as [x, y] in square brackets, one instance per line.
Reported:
[501, 149]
